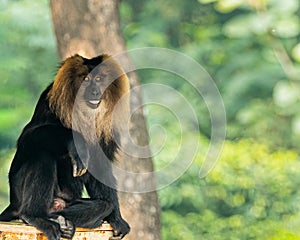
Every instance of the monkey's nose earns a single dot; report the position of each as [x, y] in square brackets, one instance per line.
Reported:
[95, 92]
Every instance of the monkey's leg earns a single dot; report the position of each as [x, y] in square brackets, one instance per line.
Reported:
[87, 213]
[8, 214]
[37, 181]
[98, 190]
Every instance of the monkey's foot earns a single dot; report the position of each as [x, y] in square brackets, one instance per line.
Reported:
[67, 228]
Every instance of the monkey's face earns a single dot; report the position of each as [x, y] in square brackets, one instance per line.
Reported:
[93, 89]
[96, 85]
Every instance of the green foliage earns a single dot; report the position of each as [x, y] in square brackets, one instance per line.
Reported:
[27, 62]
[244, 45]
[5, 159]
[251, 194]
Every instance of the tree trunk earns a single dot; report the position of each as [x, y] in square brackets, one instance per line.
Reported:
[90, 28]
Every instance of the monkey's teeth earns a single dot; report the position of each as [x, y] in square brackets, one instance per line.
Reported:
[95, 102]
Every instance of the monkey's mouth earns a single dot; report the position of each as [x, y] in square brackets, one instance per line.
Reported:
[93, 103]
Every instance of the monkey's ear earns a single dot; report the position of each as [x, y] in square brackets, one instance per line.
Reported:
[93, 62]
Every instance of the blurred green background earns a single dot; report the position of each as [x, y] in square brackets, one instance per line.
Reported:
[251, 48]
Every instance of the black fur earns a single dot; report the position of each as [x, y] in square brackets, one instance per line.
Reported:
[43, 169]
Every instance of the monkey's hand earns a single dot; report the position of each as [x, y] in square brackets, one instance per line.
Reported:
[78, 168]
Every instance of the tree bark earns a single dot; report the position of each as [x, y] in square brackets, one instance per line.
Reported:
[90, 28]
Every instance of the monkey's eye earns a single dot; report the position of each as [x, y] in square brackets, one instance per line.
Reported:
[86, 78]
[97, 78]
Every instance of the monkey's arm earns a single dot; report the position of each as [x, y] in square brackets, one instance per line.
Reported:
[79, 154]
[58, 141]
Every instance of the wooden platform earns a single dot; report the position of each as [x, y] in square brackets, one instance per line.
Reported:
[21, 231]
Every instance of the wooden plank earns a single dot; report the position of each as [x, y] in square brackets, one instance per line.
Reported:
[21, 231]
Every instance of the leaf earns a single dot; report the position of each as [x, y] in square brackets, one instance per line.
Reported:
[284, 7]
[288, 27]
[296, 52]
[247, 25]
[285, 94]
[296, 125]
[207, 1]
[226, 6]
